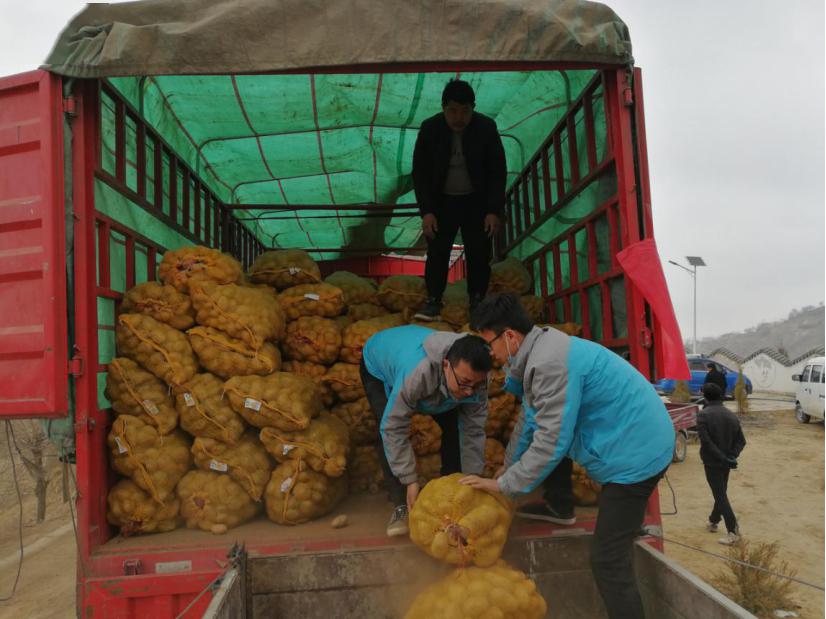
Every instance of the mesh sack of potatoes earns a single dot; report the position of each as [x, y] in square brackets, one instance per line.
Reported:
[131, 390]
[344, 379]
[280, 400]
[153, 461]
[179, 266]
[499, 591]
[311, 338]
[496, 382]
[204, 412]
[428, 467]
[509, 275]
[315, 371]
[356, 289]
[425, 435]
[436, 325]
[131, 509]
[226, 357]
[356, 335]
[534, 306]
[342, 322]
[296, 493]
[214, 502]
[157, 347]
[459, 524]
[510, 424]
[247, 462]
[500, 410]
[455, 303]
[363, 311]
[251, 315]
[164, 303]
[586, 490]
[312, 300]
[494, 456]
[324, 445]
[284, 268]
[364, 469]
[399, 292]
[455, 315]
[359, 419]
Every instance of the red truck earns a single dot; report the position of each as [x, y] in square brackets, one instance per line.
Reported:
[132, 143]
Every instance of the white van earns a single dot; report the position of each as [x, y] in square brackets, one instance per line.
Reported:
[809, 399]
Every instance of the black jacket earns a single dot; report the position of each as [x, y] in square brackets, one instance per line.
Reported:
[718, 378]
[484, 155]
[721, 436]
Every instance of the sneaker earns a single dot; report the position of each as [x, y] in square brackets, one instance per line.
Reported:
[546, 513]
[430, 311]
[711, 527]
[730, 539]
[398, 522]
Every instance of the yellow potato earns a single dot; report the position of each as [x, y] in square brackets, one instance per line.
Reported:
[311, 338]
[280, 400]
[359, 420]
[312, 300]
[246, 461]
[399, 292]
[214, 502]
[296, 493]
[205, 412]
[356, 289]
[179, 266]
[284, 268]
[324, 445]
[135, 512]
[425, 435]
[227, 357]
[494, 456]
[157, 347]
[344, 379]
[131, 390]
[164, 303]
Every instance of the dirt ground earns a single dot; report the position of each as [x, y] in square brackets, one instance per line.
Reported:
[777, 493]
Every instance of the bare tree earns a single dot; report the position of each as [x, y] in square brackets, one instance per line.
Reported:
[31, 444]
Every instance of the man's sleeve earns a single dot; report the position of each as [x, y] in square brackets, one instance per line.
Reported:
[422, 167]
[739, 442]
[497, 173]
[394, 430]
[705, 437]
[557, 407]
[472, 419]
[516, 435]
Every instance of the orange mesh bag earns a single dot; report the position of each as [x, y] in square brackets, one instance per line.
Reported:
[365, 470]
[214, 502]
[500, 410]
[356, 335]
[314, 339]
[586, 490]
[163, 303]
[312, 300]
[363, 311]
[535, 306]
[246, 461]
[157, 347]
[133, 511]
[280, 400]
[359, 419]
[131, 390]
[179, 266]
[204, 411]
[324, 445]
[428, 467]
[459, 524]
[356, 289]
[342, 322]
[284, 268]
[496, 382]
[251, 315]
[494, 456]
[344, 379]
[425, 435]
[455, 315]
[228, 357]
[296, 493]
[154, 462]
[509, 275]
[315, 371]
[498, 591]
[399, 292]
[455, 304]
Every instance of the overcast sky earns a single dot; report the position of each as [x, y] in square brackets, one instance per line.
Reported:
[734, 102]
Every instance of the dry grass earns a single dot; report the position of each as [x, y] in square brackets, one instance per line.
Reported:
[681, 392]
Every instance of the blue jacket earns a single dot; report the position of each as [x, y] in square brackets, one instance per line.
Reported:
[583, 401]
[408, 360]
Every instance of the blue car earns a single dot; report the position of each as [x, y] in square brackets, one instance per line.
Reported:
[698, 365]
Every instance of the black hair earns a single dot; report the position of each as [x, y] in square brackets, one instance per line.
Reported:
[500, 312]
[710, 365]
[460, 92]
[712, 392]
[474, 350]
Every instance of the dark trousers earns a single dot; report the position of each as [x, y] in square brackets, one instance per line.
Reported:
[619, 520]
[456, 213]
[717, 478]
[448, 422]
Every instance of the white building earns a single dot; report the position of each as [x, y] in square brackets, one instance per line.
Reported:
[767, 369]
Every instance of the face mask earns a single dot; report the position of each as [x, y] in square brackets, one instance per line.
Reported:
[511, 384]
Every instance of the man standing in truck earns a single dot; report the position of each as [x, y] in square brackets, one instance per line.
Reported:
[459, 174]
[583, 401]
[414, 369]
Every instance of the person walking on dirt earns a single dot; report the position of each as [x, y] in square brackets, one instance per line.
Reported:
[415, 369]
[721, 441]
[459, 175]
[584, 402]
[716, 377]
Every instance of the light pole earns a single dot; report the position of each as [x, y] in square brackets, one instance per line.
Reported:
[694, 261]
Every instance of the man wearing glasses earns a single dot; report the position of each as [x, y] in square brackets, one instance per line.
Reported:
[414, 369]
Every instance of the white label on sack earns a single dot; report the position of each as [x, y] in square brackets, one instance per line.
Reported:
[294, 270]
[287, 449]
[150, 407]
[121, 448]
[218, 466]
[190, 401]
[312, 295]
[253, 404]
[285, 485]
